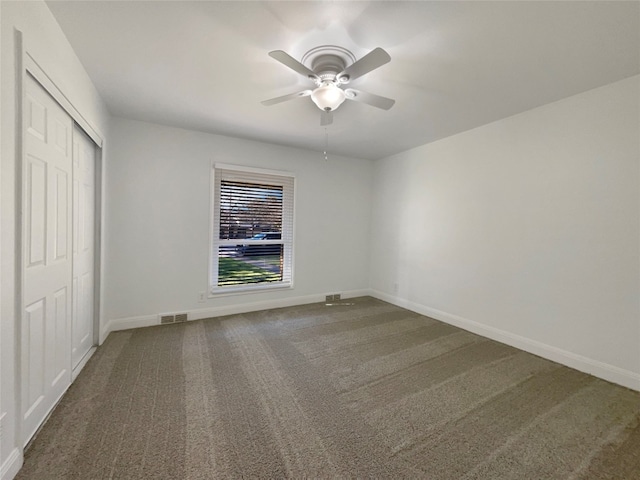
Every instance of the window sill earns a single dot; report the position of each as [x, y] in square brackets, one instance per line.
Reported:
[215, 292]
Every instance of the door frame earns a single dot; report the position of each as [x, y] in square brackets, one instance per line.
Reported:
[27, 65]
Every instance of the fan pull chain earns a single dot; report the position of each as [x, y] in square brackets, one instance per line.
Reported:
[326, 144]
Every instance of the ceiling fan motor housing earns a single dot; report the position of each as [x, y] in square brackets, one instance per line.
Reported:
[327, 61]
[327, 66]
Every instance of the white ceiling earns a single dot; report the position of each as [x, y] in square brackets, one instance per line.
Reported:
[455, 65]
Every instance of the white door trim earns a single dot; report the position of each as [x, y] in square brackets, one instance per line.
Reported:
[32, 66]
[83, 264]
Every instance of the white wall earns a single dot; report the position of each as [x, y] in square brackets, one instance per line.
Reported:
[45, 41]
[525, 230]
[157, 256]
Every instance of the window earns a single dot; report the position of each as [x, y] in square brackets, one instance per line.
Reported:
[252, 229]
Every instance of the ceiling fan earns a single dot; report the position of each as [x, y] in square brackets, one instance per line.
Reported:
[331, 67]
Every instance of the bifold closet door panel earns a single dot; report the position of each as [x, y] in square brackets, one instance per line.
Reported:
[47, 255]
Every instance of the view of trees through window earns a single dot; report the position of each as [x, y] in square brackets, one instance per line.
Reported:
[247, 209]
[251, 213]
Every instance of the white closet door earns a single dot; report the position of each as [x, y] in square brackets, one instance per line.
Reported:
[84, 153]
[47, 256]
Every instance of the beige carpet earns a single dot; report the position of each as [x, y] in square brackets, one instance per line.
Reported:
[363, 391]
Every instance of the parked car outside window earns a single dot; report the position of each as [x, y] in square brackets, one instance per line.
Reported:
[249, 250]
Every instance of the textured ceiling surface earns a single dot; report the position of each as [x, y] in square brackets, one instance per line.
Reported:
[455, 65]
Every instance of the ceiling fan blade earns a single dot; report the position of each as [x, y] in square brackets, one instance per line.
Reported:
[293, 64]
[369, 98]
[372, 60]
[326, 118]
[284, 98]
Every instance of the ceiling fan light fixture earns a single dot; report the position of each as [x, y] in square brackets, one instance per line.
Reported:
[328, 96]
[331, 67]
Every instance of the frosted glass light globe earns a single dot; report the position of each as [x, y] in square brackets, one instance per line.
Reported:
[328, 96]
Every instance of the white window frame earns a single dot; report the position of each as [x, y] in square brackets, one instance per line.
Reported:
[222, 171]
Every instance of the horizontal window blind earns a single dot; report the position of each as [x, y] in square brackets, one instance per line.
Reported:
[253, 229]
[248, 209]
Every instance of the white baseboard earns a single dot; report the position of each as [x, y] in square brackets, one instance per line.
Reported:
[599, 369]
[105, 330]
[12, 465]
[127, 323]
[608, 372]
[267, 304]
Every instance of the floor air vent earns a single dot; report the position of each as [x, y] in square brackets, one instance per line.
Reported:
[176, 318]
[334, 300]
